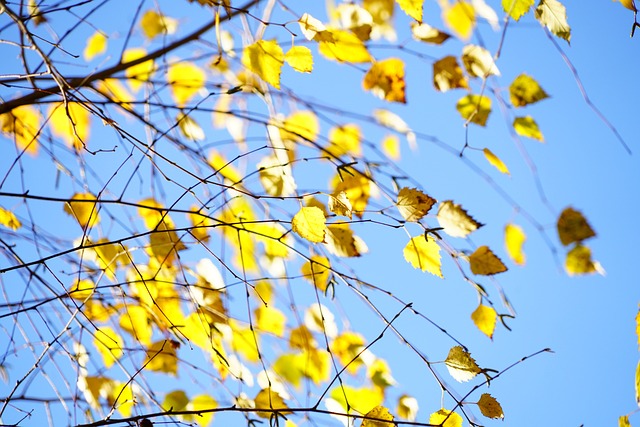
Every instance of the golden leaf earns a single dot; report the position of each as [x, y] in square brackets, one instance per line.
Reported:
[525, 90]
[300, 126]
[413, 204]
[573, 227]
[300, 59]
[553, 15]
[356, 19]
[342, 242]
[514, 239]
[109, 344]
[461, 365]
[629, 4]
[528, 127]
[22, 124]
[71, 125]
[276, 177]
[185, 80]
[445, 418]
[301, 338]
[313, 28]
[154, 24]
[447, 74]
[96, 45]
[190, 128]
[202, 402]
[162, 357]
[137, 74]
[424, 254]
[638, 383]
[378, 413]
[478, 61]
[475, 108]
[407, 407]
[485, 317]
[84, 209]
[289, 368]
[316, 364]
[136, 321]
[120, 396]
[82, 289]
[391, 147]
[428, 34]
[175, 400]
[623, 421]
[270, 319]
[455, 220]
[361, 400]
[489, 406]
[9, 220]
[578, 261]
[339, 204]
[394, 122]
[116, 92]
[317, 271]
[517, 8]
[309, 223]
[245, 341]
[164, 243]
[460, 17]
[270, 399]
[485, 262]
[385, 79]
[413, 8]
[495, 161]
[265, 58]
[345, 139]
[346, 347]
[221, 165]
[343, 46]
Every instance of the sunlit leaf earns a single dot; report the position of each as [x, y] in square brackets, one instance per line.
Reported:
[83, 207]
[424, 254]
[382, 12]
[276, 177]
[460, 17]
[121, 396]
[342, 242]
[269, 399]
[380, 373]
[300, 126]
[490, 407]
[385, 79]
[224, 167]
[140, 73]
[445, 418]
[316, 364]
[22, 124]
[525, 90]
[176, 400]
[319, 318]
[345, 139]
[484, 262]
[300, 59]
[394, 122]
[517, 8]
[391, 147]
[270, 319]
[202, 402]
[339, 204]
[638, 383]
[82, 289]
[9, 220]
[428, 34]
[447, 74]
[245, 341]
[190, 128]
[71, 123]
[356, 19]
[164, 243]
[357, 186]
[301, 338]
[573, 227]
[528, 127]
[475, 108]
[162, 357]
[109, 344]
[346, 347]
[35, 14]
[136, 321]
[629, 4]
[361, 400]
[455, 220]
[407, 407]
[154, 24]
[495, 161]
[265, 58]
[461, 365]
[553, 15]
[478, 61]
[116, 92]
[378, 413]
[485, 317]
[344, 46]
[288, 366]
[96, 45]
[514, 239]
[313, 29]
[413, 204]
[309, 223]
[185, 80]
[579, 261]
[623, 421]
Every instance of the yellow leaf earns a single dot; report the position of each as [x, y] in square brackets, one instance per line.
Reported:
[275, 239]
[96, 45]
[245, 341]
[116, 92]
[357, 186]
[455, 220]
[288, 367]
[202, 402]
[110, 255]
[579, 261]
[475, 108]
[164, 243]
[423, 254]
[265, 58]
[514, 239]
[309, 223]
[342, 242]
[623, 421]
[301, 338]
[525, 90]
[312, 28]
[413, 8]
[190, 128]
[573, 227]
[343, 46]
[495, 161]
[109, 344]
[276, 177]
[361, 400]
[517, 8]
[121, 396]
[346, 347]
[460, 17]
[317, 271]
[413, 204]
[394, 122]
[638, 383]
[428, 34]
[9, 220]
[484, 317]
[22, 124]
[82, 289]
[72, 125]
[407, 407]
[629, 4]
[84, 209]
[300, 59]
[345, 139]
[485, 262]
[339, 204]
[35, 14]
[447, 74]
[381, 12]
[356, 19]
[445, 418]
[528, 127]
[175, 400]
[270, 319]
[373, 417]
[490, 407]
[185, 79]
[270, 399]
[137, 74]
[461, 365]
[136, 321]
[154, 24]
[553, 15]
[162, 357]
[385, 79]
[391, 147]
[478, 61]
[300, 126]
[316, 364]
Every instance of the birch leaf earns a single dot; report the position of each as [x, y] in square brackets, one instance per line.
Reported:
[385, 79]
[455, 220]
[514, 239]
[528, 127]
[265, 58]
[461, 365]
[573, 227]
[484, 262]
[309, 223]
[423, 254]
[413, 204]
[485, 317]
[495, 161]
[445, 418]
[553, 15]
[525, 90]
[300, 59]
[490, 407]
[380, 413]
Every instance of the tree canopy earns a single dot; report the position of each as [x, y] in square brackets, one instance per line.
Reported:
[278, 212]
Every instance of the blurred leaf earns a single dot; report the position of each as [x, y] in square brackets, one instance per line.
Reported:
[514, 239]
[185, 80]
[361, 400]
[154, 24]
[424, 255]
[176, 400]
[343, 46]
[517, 8]
[413, 8]
[96, 45]
[484, 262]
[428, 34]
[317, 271]
[22, 124]
[460, 17]
[413, 204]
[270, 319]
[137, 74]
[478, 61]
[9, 220]
[528, 127]
[162, 357]
[342, 242]
[623, 421]
[270, 399]
[455, 220]
[573, 227]
[109, 344]
[385, 79]
[445, 418]
[495, 161]
[346, 347]
[202, 402]
[86, 213]
[71, 123]
[345, 139]
[380, 413]
[553, 15]
[407, 407]
[525, 90]
[475, 108]
[579, 261]
[447, 74]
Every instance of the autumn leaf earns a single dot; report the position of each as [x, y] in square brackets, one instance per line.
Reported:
[96, 45]
[553, 15]
[175, 400]
[629, 4]
[484, 262]
[455, 220]
[391, 147]
[445, 418]
[270, 399]
[490, 407]
[478, 61]
[9, 220]
[185, 80]
[347, 347]
[345, 139]
[356, 19]
[623, 421]
[300, 59]
[276, 177]
[82, 289]
[424, 254]
[162, 357]
[413, 8]
[528, 127]
[447, 74]
[460, 17]
[485, 317]
[109, 344]
[190, 128]
[343, 46]
[309, 223]
[407, 407]
[83, 207]
[378, 413]
[514, 239]
[265, 58]
[339, 204]
[475, 108]
[525, 90]
[313, 29]
[71, 123]
[638, 383]
[361, 400]
[200, 404]
[154, 24]
[342, 242]
[116, 92]
[318, 271]
[573, 227]
[516, 9]
[137, 322]
[385, 79]
[358, 189]
[495, 161]
[22, 124]
[140, 73]
[300, 126]
[428, 34]
[461, 365]
[579, 261]
[413, 204]
[270, 319]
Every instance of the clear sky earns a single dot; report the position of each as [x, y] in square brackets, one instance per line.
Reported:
[588, 322]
